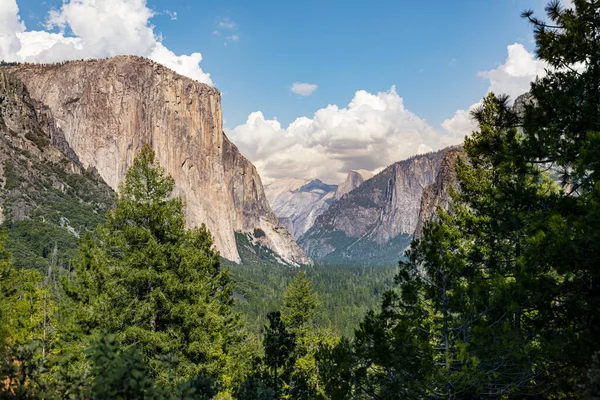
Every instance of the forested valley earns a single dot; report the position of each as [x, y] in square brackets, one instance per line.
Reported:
[499, 297]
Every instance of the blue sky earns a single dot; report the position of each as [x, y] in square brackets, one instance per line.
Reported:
[431, 51]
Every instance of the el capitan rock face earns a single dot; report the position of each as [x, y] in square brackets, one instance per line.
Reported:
[47, 199]
[108, 110]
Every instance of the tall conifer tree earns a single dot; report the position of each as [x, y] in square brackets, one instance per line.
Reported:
[159, 286]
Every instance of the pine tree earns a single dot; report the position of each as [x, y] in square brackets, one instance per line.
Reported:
[27, 306]
[300, 306]
[506, 286]
[279, 346]
[157, 285]
[465, 322]
[561, 128]
[27, 330]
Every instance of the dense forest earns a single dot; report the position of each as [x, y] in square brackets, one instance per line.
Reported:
[499, 298]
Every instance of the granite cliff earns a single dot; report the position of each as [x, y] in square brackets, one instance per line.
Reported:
[298, 202]
[106, 110]
[438, 194]
[375, 221]
[354, 179]
[47, 199]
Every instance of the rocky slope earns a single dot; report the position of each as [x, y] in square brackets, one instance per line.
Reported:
[108, 109]
[438, 194]
[47, 199]
[353, 180]
[376, 221]
[298, 202]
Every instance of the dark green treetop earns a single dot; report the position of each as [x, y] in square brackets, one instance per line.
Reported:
[157, 285]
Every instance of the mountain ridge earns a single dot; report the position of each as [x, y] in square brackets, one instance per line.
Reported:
[48, 200]
[108, 109]
[382, 210]
[438, 194]
[354, 179]
[298, 202]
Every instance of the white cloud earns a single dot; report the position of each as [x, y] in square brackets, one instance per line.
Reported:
[303, 89]
[374, 131]
[226, 24]
[101, 28]
[184, 64]
[461, 124]
[513, 78]
[171, 14]
[423, 149]
[10, 26]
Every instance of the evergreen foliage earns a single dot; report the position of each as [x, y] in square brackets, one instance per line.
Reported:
[279, 345]
[157, 285]
[499, 298]
[289, 368]
[346, 292]
[26, 305]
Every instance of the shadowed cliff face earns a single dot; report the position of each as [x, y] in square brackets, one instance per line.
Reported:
[109, 109]
[438, 194]
[381, 211]
[47, 199]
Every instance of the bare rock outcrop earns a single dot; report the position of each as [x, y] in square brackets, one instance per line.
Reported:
[107, 110]
[298, 202]
[47, 199]
[438, 194]
[354, 179]
[381, 211]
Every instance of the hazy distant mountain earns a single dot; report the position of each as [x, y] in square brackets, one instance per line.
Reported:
[298, 202]
[376, 221]
[438, 193]
[354, 179]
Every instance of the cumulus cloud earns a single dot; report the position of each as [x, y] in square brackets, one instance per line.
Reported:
[303, 89]
[374, 131]
[101, 28]
[516, 74]
[513, 78]
[10, 26]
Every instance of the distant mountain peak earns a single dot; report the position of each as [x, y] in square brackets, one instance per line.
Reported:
[375, 219]
[298, 202]
[317, 184]
[354, 179]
